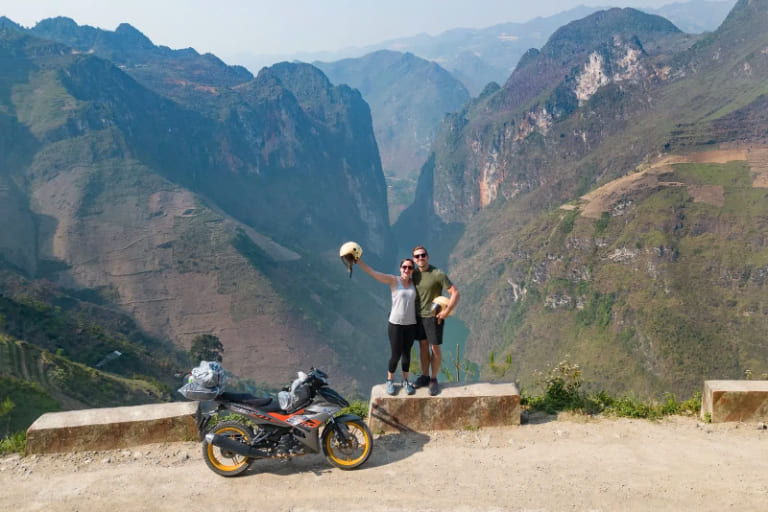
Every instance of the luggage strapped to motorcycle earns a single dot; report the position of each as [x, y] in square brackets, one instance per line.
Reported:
[205, 381]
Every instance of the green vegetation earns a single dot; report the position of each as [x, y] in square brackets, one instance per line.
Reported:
[597, 310]
[43, 104]
[499, 369]
[55, 374]
[357, 406]
[562, 391]
[602, 224]
[455, 368]
[21, 402]
[566, 226]
[58, 352]
[16, 442]
[659, 294]
[206, 347]
[85, 334]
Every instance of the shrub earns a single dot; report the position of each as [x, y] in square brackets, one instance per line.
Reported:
[16, 442]
[562, 392]
[358, 407]
[562, 389]
[569, 219]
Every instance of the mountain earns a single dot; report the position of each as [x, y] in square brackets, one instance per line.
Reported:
[408, 97]
[478, 56]
[606, 204]
[474, 56]
[75, 353]
[182, 75]
[590, 53]
[696, 16]
[195, 198]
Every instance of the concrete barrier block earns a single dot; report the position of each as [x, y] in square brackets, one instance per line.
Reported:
[735, 400]
[457, 406]
[110, 428]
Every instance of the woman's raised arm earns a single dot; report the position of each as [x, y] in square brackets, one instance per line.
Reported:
[379, 276]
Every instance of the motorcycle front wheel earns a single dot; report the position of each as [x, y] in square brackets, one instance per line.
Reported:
[351, 452]
[225, 462]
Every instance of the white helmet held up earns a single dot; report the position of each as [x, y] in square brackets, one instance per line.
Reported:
[350, 252]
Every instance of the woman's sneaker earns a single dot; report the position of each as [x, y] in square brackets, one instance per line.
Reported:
[409, 389]
[390, 387]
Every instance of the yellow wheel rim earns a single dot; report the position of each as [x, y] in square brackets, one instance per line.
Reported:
[348, 455]
[224, 460]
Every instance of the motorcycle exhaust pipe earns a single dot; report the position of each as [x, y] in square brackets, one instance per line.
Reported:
[229, 444]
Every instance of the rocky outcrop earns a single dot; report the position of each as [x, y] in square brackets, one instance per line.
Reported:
[498, 150]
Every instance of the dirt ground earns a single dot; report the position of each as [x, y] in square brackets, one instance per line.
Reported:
[547, 464]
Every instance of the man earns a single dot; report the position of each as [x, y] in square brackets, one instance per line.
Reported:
[430, 282]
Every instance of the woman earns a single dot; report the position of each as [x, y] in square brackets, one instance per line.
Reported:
[402, 320]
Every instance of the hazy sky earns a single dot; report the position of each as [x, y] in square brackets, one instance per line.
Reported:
[228, 28]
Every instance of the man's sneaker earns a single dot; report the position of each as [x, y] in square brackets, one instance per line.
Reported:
[409, 389]
[433, 388]
[422, 380]
[390, 387]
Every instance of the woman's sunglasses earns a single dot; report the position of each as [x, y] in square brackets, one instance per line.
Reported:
[406, 267]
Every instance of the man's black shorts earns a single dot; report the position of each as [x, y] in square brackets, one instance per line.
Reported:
[429, 329]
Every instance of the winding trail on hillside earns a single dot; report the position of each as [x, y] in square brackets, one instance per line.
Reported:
[566, 464]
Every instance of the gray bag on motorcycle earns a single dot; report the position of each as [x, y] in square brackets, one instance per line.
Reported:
[299, 395]
[205, 381]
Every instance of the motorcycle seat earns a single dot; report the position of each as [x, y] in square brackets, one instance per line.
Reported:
[246, 398]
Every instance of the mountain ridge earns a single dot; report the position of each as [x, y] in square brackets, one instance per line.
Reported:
[614, 292]
[478, 56]
[116, 179]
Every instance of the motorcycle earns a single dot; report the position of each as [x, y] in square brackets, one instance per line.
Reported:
[280, 429]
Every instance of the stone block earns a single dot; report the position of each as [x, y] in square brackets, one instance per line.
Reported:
[735, 400]
[457, 406]
[110, 428]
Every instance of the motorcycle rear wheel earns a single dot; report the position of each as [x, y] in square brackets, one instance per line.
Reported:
[225, 462]
[350, 453]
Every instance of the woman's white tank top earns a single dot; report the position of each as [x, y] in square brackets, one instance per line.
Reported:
[403, 305]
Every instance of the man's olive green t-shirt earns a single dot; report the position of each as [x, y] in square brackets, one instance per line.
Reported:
[429, 284]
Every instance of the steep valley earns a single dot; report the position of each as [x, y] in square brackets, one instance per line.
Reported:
[606, 205]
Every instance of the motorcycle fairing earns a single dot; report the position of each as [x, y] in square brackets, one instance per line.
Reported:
[330, 395]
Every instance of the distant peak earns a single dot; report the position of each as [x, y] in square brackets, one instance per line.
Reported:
[601, 26]
[127, 31]
[59, 24]
[61, 21]
[6, 22]
[746, 13]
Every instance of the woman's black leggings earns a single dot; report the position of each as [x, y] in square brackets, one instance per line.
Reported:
[400, 342]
